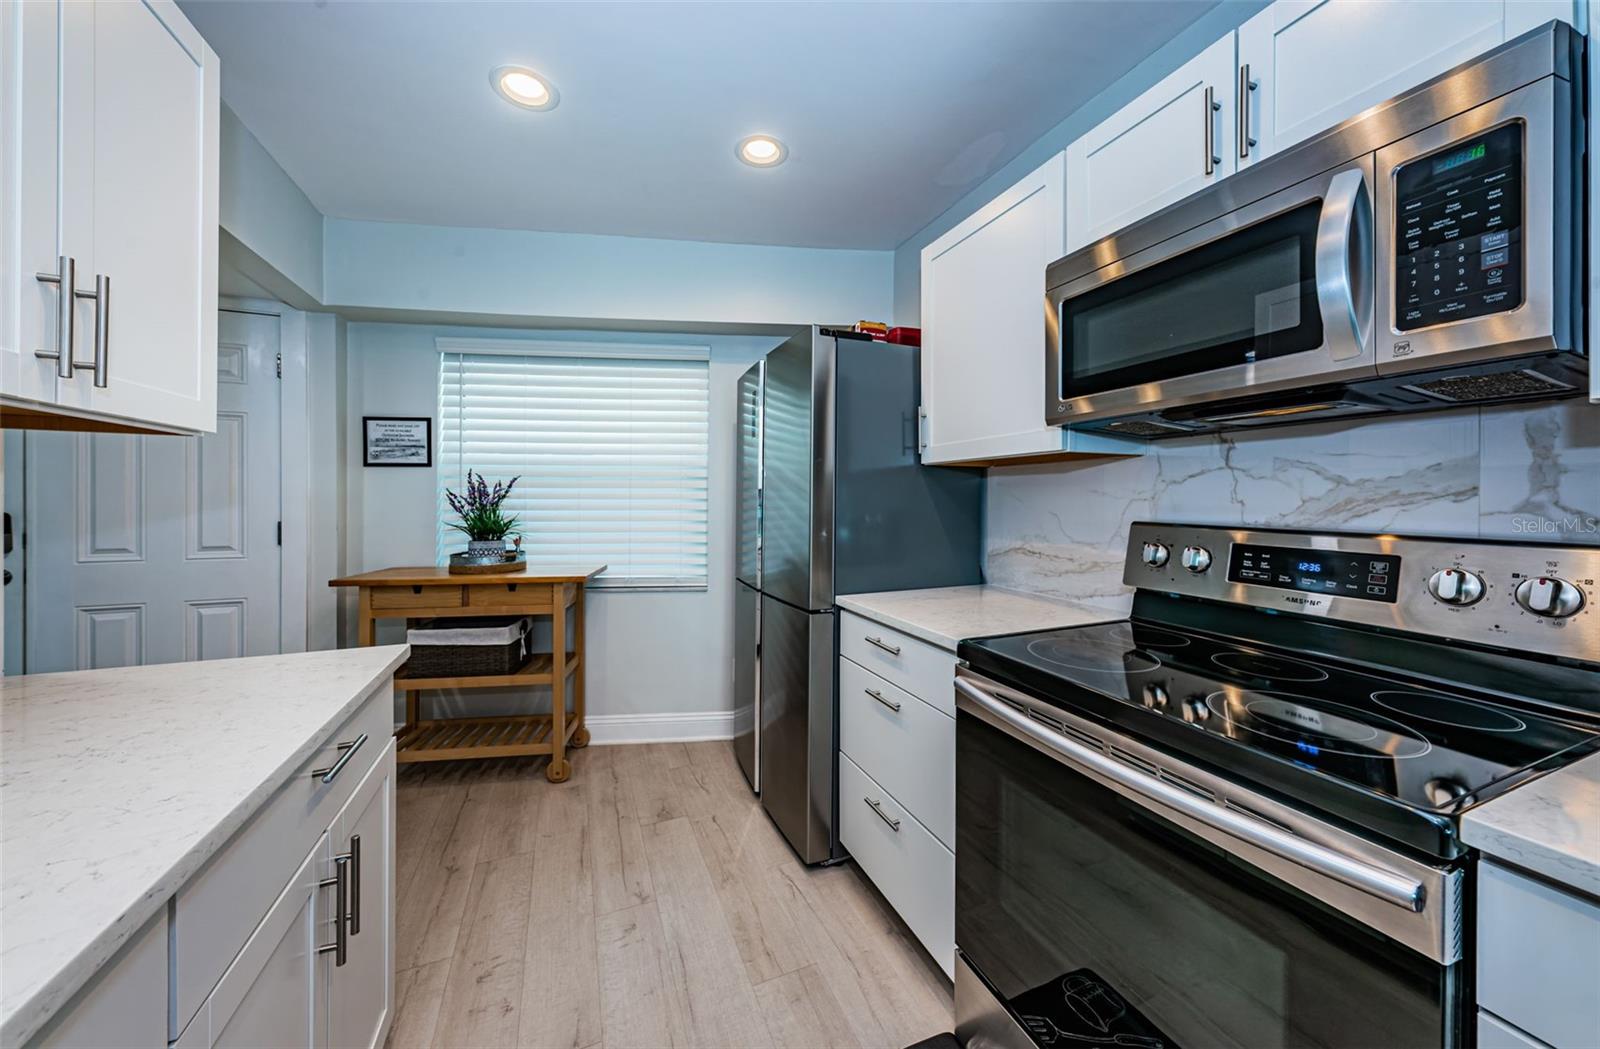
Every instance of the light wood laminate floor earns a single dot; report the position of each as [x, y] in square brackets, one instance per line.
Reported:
[648, 903]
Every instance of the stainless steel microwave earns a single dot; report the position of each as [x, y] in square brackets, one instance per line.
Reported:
[1428, 253]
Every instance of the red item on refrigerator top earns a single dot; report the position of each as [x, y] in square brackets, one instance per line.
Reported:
[905, 336]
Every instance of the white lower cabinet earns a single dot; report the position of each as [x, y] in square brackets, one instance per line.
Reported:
[1495, 1033]
[270, 994]
[317, 970]
[897, 775]
[912, 868]
[360, 1007]
[1538, 958]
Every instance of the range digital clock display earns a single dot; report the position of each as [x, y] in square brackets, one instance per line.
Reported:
[1371, 577]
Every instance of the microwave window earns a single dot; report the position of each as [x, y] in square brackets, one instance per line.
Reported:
[1247, 297]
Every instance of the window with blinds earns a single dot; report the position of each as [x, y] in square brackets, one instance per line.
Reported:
[610, 454]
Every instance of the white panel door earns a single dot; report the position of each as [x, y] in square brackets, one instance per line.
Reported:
[983, 325]
[1171, 141]
[361, 990]
[139, 134]
[1316, 63]
[161, 549]
[29, 193]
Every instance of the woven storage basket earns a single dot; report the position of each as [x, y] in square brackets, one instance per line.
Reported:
[470, 647]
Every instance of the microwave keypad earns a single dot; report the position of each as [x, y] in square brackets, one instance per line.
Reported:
[1458, 231]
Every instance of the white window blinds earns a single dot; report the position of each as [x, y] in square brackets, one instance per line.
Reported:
[611, 456]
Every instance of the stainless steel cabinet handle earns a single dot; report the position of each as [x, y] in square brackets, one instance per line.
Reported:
[1212, 106]
[893, 823]
[881, 698]
[1246, 85]
[355, 884]
[331, 773]
[66, 279]
[1406, 893]
[893, 650]
[1346, 216]
[341, 908]
[102, 326]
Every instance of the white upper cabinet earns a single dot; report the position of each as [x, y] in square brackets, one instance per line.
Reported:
[983, 318]
[1172, 140]
[118, 120]
[1316, 63]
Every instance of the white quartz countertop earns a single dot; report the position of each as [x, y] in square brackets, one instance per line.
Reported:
[116, 785]
[1550, 826]
[944, 615]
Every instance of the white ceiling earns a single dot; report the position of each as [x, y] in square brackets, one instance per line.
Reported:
[890, 110]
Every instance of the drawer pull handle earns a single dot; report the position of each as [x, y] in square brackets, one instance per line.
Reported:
[893, 650]
[881, 698]
[355, 884]
[341, 907]
[331, 773]
[893, 823]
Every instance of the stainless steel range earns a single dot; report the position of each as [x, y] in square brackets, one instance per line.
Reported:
[1233, 818]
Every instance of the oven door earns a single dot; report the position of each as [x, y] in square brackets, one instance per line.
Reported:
[1107, 894]
[1273, 296]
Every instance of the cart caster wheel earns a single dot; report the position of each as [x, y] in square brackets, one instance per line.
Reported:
[558, 771]
[580, 738]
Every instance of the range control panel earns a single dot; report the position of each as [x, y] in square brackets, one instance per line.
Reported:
[1368, 577]
[1538, 597]
[1458, 235]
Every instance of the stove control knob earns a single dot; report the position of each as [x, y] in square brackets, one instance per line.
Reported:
[1154, 554]
[1550, 597]
[1456, 586]
[1195, 558]
[1155, 697]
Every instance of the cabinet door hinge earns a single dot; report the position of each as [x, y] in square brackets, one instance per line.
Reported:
[280, 533]
[922, 428]
[279, 365]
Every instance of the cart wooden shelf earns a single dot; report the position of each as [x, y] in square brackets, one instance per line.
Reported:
[431, 593]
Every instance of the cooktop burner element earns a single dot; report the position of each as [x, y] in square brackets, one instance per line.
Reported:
[1095, 656]
[1259, 666]
[1316, 727]
[1449, 710]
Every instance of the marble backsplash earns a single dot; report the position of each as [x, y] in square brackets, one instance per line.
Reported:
[1530, 473]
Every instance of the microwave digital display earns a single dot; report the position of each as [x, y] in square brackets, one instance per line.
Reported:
[1458, 232]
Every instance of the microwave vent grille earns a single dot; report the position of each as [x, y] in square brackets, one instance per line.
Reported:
[1144, 428]
[1465, 389]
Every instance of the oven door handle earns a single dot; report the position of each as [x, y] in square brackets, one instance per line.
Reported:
[1342, 289]
[1403, 892]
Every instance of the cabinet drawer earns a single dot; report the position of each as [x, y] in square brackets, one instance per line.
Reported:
[915, 873]
[923, 670]
[416, 597]
[525, 597]
[1538, 957]
[910, 751]
[216, 910]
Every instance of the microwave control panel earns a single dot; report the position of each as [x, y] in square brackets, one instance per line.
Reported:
[1458, 232]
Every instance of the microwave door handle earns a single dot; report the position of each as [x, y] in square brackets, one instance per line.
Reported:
[1346, 215]
[1399, 890]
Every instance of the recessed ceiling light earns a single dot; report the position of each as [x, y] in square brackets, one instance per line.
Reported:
[761, 151]
[521, 86]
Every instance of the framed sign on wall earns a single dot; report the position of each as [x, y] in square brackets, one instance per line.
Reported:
[397, 440]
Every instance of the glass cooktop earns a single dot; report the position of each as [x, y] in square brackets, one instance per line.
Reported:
[1395, 756]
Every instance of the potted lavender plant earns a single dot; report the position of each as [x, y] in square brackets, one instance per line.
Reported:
[486, 525]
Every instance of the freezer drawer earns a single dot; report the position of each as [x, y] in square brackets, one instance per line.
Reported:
[798, 737]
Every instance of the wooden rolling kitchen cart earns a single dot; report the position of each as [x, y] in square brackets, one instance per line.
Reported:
[428, 593]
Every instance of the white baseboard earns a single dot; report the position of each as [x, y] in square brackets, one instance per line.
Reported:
[660, 728]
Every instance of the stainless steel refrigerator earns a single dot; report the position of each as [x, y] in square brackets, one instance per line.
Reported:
[831, 500]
